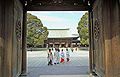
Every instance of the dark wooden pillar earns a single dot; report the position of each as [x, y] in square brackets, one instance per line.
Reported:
[1, 41]
[24, 51]
[90, 43]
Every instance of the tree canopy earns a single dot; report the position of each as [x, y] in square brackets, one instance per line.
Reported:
[36, 32]
[83, 30]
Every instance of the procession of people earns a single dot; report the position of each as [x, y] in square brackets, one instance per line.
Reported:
[58, 55]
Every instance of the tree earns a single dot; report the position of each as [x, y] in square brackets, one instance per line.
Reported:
[36, 32]
[83, 30]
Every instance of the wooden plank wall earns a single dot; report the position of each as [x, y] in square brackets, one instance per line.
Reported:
[7, 37]
[111, 23]
[107, 46]
[11, 17]
[115, 36]
[107, 39]
[98, 39]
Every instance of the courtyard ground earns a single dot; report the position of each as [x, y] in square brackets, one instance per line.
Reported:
[77, 67]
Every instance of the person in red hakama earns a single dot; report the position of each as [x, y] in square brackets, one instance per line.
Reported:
[62, 57]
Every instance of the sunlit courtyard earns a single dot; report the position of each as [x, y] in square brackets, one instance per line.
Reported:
[76, 67]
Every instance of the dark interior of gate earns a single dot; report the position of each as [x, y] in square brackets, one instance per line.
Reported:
[104, 30]
[57, 5]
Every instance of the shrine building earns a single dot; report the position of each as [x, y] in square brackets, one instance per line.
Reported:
[62, 38]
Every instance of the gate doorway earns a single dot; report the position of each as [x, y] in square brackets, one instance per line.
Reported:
[104, 29]
[79, 57]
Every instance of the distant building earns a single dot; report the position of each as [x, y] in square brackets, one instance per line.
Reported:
[62, 38]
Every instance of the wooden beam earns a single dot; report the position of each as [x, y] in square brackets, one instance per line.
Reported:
[47, 2]
[57, 8]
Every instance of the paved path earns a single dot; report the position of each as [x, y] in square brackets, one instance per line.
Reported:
[77, 67]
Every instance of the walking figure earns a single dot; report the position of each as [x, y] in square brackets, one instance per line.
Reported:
[50, 57]
[62, 57]
[67, 55]
[72, 49]
[56, 56]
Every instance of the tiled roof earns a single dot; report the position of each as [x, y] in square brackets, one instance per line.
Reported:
[60, 33]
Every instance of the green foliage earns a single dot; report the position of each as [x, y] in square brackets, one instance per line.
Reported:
[36, 32]
[83, 30]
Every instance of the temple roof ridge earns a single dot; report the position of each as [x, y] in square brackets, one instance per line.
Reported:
[58, 28]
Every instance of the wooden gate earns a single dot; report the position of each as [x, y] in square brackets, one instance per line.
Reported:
[17, 37]
[11, 20]
[105, 38]
[98, 39]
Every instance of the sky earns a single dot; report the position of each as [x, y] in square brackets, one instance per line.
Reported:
[60, 19]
